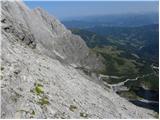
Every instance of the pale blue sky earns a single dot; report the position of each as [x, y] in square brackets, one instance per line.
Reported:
[67, 9]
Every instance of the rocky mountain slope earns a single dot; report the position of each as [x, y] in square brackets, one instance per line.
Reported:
[38, 75]
[52, 37]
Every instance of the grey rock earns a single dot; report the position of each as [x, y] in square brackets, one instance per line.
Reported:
[49, 33]
[43, 82]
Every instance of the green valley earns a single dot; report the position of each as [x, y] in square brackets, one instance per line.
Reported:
[130, 53]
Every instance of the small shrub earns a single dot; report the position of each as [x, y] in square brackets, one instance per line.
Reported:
[85, 115]
[39, 89]
[2, 68]
[72, 108]
[33, 112]
[43, 101]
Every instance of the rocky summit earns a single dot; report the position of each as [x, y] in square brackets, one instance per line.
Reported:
[40, 75]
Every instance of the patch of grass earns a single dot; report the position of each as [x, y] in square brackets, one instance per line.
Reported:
[23, 111]
[131, 95]
[151, 82]
[85, 115]
[128, 95]
[2, 68]
[39, 89]
[72, 108]
[43, 101]
[115, 63]
[33, 112]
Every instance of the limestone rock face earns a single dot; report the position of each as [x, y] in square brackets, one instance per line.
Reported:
[38, 75]
[49, 33]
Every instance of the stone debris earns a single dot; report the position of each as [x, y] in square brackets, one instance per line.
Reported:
[36, 83]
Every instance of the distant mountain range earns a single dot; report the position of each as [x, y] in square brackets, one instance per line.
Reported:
[123, 20]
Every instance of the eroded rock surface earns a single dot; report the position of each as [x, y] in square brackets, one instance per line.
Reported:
[38, 75]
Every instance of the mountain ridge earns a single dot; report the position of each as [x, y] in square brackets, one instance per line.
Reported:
[115, 20]
[39, 79]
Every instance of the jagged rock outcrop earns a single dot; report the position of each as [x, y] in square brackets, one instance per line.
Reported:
[19, 31]
[55, 40]
[38, 75]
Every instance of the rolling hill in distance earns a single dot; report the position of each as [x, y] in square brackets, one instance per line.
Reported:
[121, 20]
[142, 40]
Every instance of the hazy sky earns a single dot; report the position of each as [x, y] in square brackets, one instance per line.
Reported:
[67, 9]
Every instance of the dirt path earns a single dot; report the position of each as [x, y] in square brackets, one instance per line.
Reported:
[119, 86]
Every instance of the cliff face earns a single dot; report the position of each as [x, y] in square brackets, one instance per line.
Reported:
[55, 40]
[38, 75]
